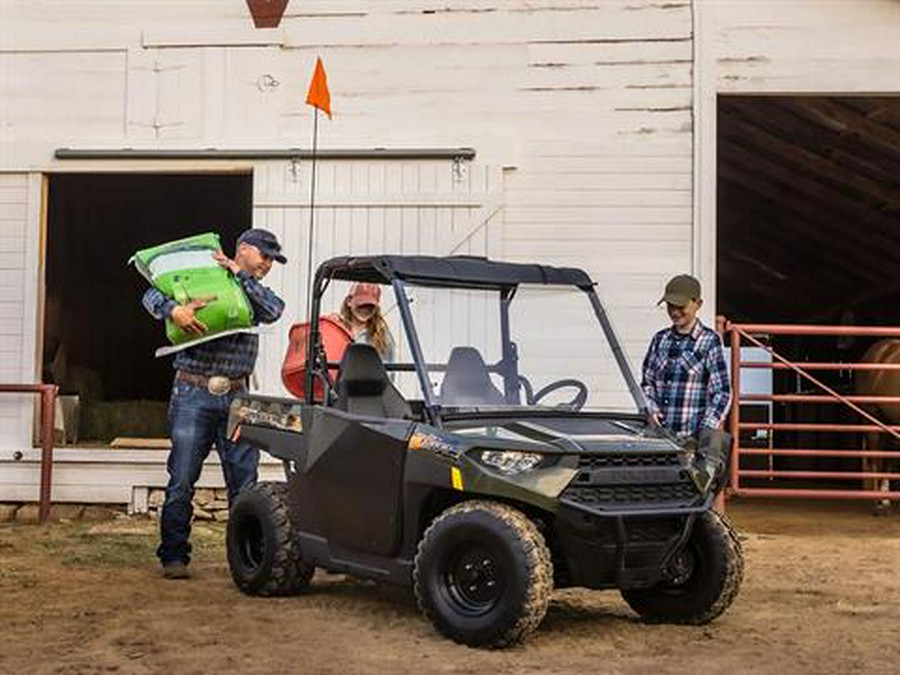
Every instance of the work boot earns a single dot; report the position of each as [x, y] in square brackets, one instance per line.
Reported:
[176, 570]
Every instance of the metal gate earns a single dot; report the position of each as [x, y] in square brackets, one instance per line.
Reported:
[770, 467]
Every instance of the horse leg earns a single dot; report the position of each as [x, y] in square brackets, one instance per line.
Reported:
[872, 442]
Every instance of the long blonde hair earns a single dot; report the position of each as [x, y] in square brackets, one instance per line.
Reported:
[376, 327]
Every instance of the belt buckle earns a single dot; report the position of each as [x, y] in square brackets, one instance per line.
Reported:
[218, 385]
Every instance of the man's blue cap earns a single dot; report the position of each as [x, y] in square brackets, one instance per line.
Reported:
[265, 241]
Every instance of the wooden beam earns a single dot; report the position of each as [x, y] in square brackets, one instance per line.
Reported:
[818, 197]
[789, 154]
[831, 113]
[781, 235]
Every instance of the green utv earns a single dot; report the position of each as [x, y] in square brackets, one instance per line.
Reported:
[504, 453]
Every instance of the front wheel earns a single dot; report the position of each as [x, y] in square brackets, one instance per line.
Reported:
[483, 574]
[263, 552]
[702, 580]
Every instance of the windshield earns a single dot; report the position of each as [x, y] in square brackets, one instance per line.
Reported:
[537, 346]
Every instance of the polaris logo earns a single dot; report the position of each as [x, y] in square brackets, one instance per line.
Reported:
[635, 476]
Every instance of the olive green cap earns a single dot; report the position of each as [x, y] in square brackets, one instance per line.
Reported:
[681, 290]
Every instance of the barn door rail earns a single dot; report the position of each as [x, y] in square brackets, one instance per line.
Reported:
[739, 335]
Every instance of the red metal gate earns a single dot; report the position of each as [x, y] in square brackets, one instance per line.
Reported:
[786, 479]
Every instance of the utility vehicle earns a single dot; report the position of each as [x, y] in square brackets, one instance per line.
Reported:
[503, 453]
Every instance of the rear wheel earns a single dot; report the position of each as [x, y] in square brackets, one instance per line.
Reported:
[702, 579]
[263, 553]
[483, 574]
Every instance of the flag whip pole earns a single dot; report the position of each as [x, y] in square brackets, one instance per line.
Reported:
[319, 98]
[312, 213]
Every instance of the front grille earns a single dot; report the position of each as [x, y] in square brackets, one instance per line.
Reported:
[625, 459]
[599, 495]
[622, 481]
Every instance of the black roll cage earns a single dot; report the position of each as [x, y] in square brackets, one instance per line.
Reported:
[462, 272]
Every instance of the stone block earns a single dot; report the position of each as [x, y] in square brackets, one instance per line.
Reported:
[204, 496]
[202, 514]
[66, 511]
[8, 512]
[27, 513]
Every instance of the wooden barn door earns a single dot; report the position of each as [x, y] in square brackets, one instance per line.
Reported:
[20, 196]
[430, 207]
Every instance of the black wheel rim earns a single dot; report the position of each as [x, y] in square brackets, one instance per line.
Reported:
[473, 579]
[682, 568]
[250, 543]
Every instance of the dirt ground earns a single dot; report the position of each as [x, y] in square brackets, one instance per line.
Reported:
[821, 595]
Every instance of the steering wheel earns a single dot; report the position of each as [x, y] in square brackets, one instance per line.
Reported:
[577, 401]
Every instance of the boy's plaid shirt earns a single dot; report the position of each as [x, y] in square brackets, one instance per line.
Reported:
[686, 380]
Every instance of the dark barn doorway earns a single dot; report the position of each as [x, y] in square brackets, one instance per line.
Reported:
[98, 339]
[809, 233]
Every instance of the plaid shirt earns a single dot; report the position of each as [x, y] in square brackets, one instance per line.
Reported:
[234, 355]
[685, 379]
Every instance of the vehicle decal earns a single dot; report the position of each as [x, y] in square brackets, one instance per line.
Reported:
[442, 447]
[456, 478]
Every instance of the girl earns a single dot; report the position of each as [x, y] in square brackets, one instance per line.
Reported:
[360, 314]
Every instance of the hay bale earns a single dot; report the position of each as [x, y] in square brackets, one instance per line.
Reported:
[106, 420]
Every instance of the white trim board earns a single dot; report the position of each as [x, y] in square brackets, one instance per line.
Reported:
[103, 475]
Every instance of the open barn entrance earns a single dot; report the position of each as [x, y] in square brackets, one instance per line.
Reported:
[809, 233]
[98, 339]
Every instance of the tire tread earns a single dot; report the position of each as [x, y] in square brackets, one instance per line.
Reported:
[538, 561]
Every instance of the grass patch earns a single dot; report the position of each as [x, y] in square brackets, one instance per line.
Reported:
[83, 548]
[129, 543]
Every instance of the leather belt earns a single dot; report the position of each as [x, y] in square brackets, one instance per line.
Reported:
[217, 385]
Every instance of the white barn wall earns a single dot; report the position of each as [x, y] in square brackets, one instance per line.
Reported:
[590, 102]
[584, 108]
[20, 196]
[806, 46]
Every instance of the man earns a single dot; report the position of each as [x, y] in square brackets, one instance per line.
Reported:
[685, 378]
[207, 378]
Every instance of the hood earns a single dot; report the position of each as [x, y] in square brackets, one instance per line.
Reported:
[568, 435]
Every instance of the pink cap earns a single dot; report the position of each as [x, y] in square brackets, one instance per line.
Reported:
[364, 294]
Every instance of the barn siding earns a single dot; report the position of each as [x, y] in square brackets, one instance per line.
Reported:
[19, 207]
[807, 46]
[584, 108]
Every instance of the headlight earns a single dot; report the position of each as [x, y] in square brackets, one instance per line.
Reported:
[510, 462]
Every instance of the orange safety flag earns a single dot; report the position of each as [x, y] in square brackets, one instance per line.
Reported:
[318, 95]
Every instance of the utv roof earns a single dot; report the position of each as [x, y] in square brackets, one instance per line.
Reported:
[463, 271]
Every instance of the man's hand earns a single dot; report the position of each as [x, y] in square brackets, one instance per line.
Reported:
[184, 318]
[226, 262]
[654, 419]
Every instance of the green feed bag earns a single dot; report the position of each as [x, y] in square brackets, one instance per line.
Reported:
[185, 270]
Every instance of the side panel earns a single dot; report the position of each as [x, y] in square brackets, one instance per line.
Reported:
[352, 481]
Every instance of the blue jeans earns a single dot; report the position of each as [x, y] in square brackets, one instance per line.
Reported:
[197, 420]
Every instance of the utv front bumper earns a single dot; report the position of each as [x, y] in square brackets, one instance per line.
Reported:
[622, 518]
